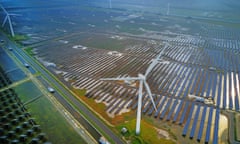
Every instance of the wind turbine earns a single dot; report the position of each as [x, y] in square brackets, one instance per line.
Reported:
[142, 81]
[9, 20]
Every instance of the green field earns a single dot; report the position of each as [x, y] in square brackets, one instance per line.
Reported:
[27, 91]
[148, 135]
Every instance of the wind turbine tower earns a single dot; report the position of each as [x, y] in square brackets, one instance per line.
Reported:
[168, 9]
[142, 82]
[110, 4]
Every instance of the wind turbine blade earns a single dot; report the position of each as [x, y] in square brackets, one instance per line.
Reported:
[12, 14]
[126, 78]
[151, 66]
[4, 9]
[5, 20]
[139, 107]
[150, 94]
[161, 53]
[10, 25]
[155, 61]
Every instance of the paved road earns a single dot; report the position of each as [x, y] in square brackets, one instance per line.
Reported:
[74, 121]
[66, 92]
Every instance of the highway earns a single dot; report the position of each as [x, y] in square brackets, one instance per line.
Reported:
[63, 90]
[61, 107]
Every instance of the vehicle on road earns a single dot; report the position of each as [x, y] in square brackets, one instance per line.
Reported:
[103, 140]
[26, 65]
[51, 90]
[10, 49]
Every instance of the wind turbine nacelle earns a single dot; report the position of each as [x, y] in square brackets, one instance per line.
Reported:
[141, 76]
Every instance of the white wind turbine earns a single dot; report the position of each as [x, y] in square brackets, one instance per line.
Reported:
[7, 17]
[142, 81]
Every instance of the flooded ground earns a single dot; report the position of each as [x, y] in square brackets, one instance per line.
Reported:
[83, 42]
